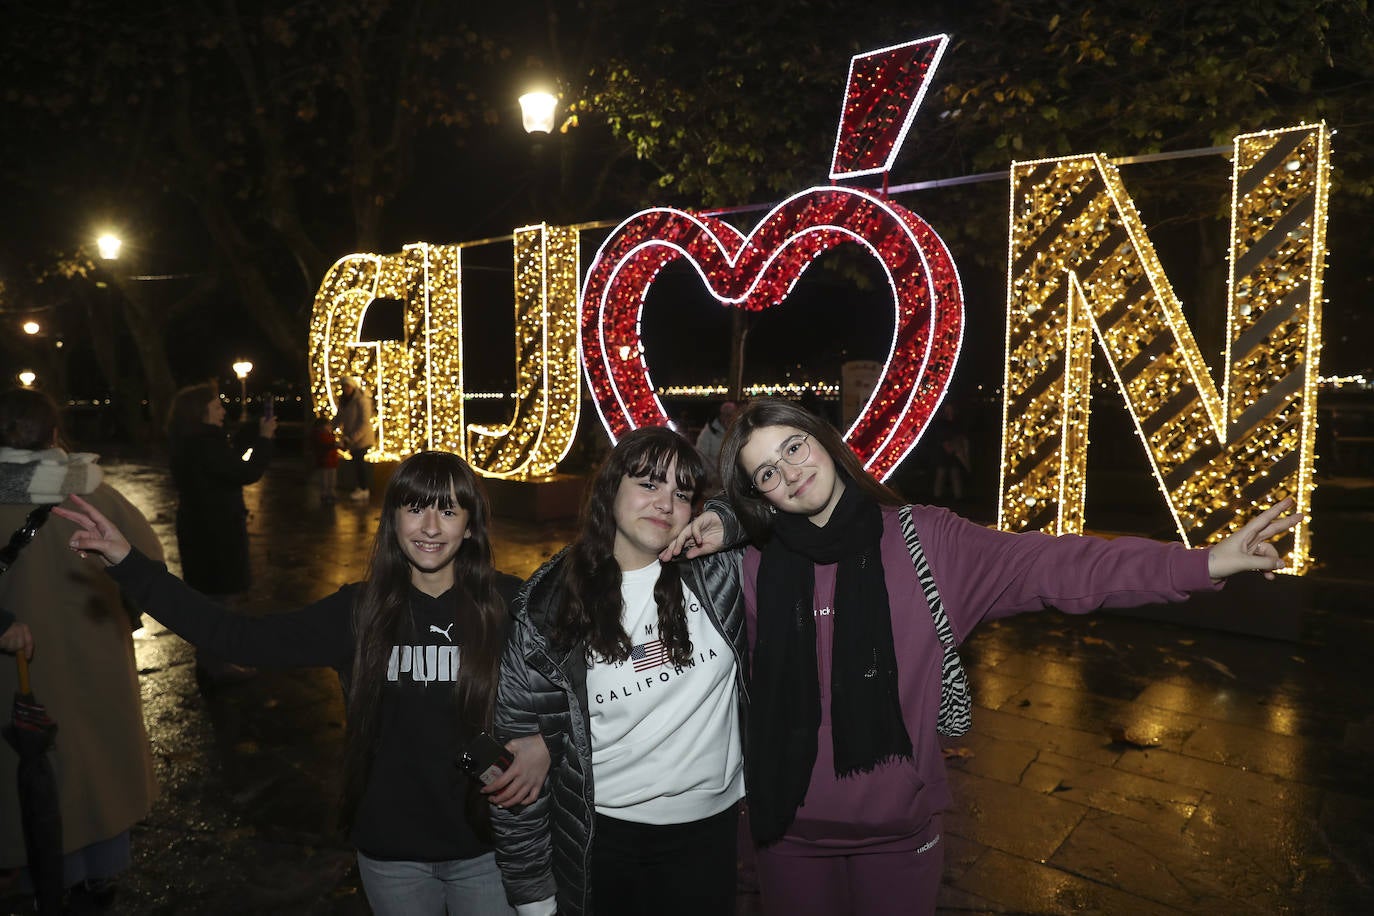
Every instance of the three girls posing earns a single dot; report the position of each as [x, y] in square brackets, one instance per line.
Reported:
[632, 668]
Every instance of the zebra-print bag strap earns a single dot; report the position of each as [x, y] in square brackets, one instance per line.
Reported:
[956, 703]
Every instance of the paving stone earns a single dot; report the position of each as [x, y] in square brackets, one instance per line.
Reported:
[1006, 817]
[1079, 672]
[990, 689]
[1095, 747]
[1253, 749]
[1188, 871]
[1150, 801]
[1023, 886]
[1091, 713]
[990, 758]
[1214, 777]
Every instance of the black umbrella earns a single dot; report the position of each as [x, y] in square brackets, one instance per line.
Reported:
[31, 733]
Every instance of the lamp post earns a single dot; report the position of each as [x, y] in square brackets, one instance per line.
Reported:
[31, 328]
[538, 110]
[27, 378]
[241, 369]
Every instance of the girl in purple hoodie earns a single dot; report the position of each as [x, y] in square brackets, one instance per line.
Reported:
[854, 605]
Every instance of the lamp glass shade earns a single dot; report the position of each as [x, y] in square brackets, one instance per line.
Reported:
[537, 112]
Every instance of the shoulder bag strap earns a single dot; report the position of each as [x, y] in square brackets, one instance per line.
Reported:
[21, 537]
[956, 703]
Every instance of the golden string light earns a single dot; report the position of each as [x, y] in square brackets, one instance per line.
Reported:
[1080, 265]
[547, 394]
[417, 380]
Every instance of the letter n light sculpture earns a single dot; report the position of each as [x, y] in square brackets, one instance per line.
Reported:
[1081, 267]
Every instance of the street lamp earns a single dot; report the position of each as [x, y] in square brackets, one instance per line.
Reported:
[109, 246]
[27, 378]
[537, 112]
[31, 328]
[241, 369]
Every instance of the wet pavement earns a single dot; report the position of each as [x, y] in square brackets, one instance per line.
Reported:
[1116, 765]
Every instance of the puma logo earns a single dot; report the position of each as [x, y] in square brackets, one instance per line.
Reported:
[444, 631]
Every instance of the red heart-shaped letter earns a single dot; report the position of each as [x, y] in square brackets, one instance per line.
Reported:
[758, 271]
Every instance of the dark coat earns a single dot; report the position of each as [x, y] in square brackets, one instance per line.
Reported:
[544, 848]
[212, 522]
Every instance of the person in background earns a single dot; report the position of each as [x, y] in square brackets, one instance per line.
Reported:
[209, 473]
[354, 422]
[952, 461]
[417, 646]
[854, 603]
[711, 436]
[79, 636]
[324, 452]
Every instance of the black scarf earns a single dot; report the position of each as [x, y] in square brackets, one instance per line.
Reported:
[785, 713]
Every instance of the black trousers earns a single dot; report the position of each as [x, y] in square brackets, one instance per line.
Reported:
[665, 869]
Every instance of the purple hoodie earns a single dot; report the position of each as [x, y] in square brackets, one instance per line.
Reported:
[982, 574]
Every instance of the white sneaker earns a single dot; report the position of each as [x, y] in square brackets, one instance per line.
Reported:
[358, 495]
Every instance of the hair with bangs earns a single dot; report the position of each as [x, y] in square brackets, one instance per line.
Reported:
[591, 608]
[381, 617]
[753, 510]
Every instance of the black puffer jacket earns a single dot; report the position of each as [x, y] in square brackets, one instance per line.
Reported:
[544, 849]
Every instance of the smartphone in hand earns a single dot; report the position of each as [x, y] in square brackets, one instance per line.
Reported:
[484, 760]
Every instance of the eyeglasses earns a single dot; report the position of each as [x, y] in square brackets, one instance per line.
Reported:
[794, 451]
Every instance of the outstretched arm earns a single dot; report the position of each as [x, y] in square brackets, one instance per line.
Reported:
[95, 533]
[1249, 549]
[316, 635]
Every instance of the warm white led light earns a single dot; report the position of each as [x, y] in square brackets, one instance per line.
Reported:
[1080, 265]
[537, 112]
[417, 382]
[547, 394]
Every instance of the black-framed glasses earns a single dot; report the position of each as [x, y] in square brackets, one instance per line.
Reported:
[793, 451]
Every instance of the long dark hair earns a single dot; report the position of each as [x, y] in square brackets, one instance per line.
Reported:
[381, 616]
[591, 605]
[752, 508]
[187, 412]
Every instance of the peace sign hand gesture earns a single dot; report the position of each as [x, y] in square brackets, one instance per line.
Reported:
[95, 533]
[1249, 548]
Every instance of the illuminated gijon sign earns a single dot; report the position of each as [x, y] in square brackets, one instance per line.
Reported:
[1080, 266]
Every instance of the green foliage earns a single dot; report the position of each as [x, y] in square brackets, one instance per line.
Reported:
[737, 102]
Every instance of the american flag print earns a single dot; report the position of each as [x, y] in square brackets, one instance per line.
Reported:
[649, 655]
